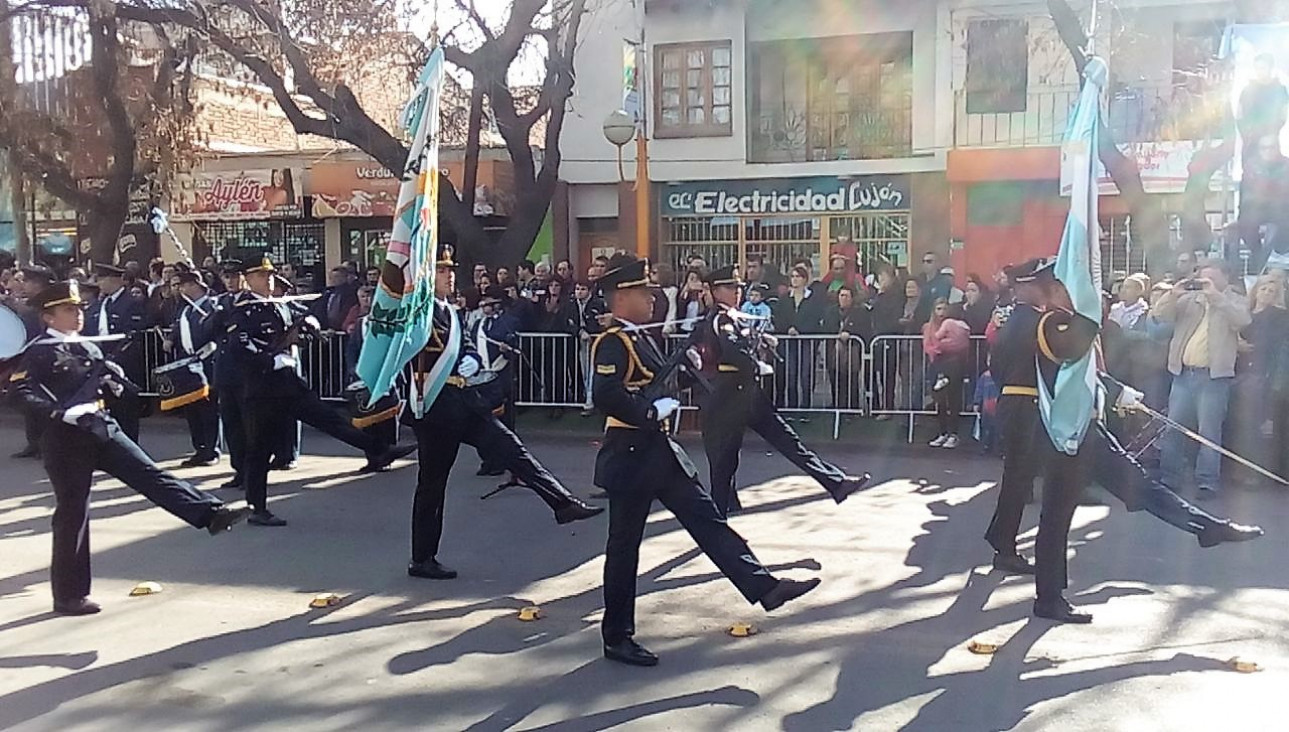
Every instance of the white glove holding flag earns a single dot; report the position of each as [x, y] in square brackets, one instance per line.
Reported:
[665, 407]
[283, 361]
[1129, 398]
[695, 358]
[468, 367]
[160, 222]
[75, 412]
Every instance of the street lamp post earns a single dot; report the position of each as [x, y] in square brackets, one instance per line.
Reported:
[619, 127]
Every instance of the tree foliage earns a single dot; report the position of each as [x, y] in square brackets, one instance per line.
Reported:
[119, 115]
[316, 57]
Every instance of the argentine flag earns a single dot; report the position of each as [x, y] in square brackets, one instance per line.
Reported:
[1069, 408]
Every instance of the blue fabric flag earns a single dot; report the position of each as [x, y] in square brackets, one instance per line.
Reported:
[403, 305]
[1068, 409]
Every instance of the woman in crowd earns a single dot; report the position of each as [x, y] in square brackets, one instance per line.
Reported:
[798, 313]
[945, 342]
[851, 321]
[910, 362]
[692, 300]
[665, 309]
[1260, 352]
[353, 328]
[978, 305]
[564, 273]
[888, 308]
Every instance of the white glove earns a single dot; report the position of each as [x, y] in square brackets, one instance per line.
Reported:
[283, 361]
[695, 358]
[665, 407]
[75, 412]
[1129, 398]
[770, 340]
[312, 323]
[764, 369]
[468, 367]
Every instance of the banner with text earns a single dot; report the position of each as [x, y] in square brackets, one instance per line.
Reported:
[774, 196]
[238, 195]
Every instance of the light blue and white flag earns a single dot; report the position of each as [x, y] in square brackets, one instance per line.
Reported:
[1068, 409]
[403, 306]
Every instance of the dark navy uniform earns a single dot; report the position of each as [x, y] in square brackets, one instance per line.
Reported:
[192, 330]
[1012, 363]
[63, 381]
[226, 383]
[488, 337]
[122, 313]
[737, 402]
[273, 395]
[461, 414]
[1047, 339]
[638, 462]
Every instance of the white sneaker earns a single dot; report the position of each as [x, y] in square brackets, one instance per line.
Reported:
[939, 441]
[950, 442]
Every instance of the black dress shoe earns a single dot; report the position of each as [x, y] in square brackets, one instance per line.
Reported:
[82, 606]
[382, 460]
[30, 451]
[284, 465]
[264, 518]
[490, 470]
[191, 462]
[1220, 533]
[852, 484]
[1060, 611]
[234, 482]
[786, 591]
[1013, 564]
[576, 511]
[430, 569]
[225, 517]
[630, 653]
[599, 493]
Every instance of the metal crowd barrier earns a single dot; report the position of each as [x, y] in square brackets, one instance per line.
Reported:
[813, 374]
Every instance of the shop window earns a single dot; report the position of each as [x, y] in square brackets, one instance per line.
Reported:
[695, 90]
[283, 241]
[837, 98]
[878, 238]
[997, 66]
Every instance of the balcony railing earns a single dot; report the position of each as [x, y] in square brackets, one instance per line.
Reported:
[1133, 113]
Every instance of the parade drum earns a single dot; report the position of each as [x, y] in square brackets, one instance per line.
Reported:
[363, 416]
[13, 334]
[181, 383]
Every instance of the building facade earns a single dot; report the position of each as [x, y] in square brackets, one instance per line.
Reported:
[896, 129]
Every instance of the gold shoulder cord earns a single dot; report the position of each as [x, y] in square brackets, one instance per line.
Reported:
[635, 368]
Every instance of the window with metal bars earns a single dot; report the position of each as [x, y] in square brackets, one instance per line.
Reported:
[283, 241]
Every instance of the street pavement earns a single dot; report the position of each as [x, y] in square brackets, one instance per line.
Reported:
[231, 643]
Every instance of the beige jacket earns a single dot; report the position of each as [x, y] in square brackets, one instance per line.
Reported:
[1228, 315]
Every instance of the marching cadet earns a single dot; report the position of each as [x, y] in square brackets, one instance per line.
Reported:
[495, 338]
[192, 332]
[62, 380]
[226, 386]
[273, 394]
[1044, 329]
[638, 463]
[728, 342]
[462, 413]
[118, 312]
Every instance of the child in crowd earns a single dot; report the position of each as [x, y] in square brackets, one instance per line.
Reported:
[986, 401]
[755, 303]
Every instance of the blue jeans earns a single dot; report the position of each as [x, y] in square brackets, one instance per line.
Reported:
[1199, 402]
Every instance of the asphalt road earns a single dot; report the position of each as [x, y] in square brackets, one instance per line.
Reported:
[231, 643]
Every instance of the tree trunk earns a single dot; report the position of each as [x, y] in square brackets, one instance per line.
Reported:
[1149, 222]
[105, 224]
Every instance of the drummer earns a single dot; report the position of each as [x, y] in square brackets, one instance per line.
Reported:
[193, 329]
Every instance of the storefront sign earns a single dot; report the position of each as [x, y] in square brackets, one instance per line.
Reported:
[1164, 167]
[767, 197]
[238, 195]
[363, 189]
